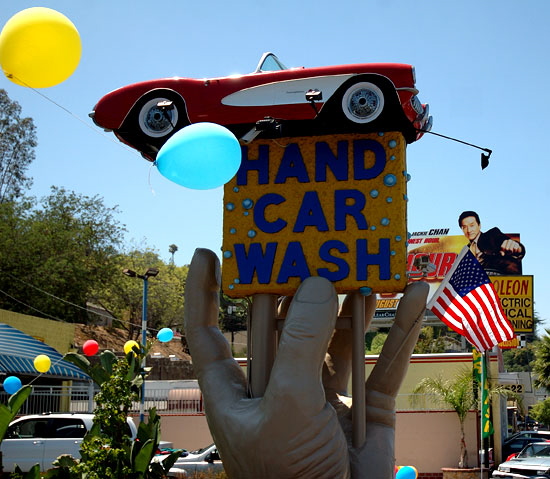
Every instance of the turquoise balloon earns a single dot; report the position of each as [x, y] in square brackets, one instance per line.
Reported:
[200, 156]
[407, 472]
[12, 384]
[165, 334]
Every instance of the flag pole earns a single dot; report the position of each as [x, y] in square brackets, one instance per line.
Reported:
[481, 399]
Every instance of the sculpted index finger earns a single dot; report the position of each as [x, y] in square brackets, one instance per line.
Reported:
[221, 379]
[202, 291]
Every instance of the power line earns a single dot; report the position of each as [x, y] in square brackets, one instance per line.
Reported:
[29, 306]
[110, 316]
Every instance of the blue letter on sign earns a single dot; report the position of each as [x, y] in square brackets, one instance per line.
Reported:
[364, 259]
[344, 208]
[310, 214]
[325, 254]
[255, 261]
[359, 149]
[292, 166]
[259, 213]
[294, 264]
[261, 165]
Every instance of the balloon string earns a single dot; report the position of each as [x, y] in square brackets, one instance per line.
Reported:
[149, 178]
[66, 110]
[41, 374]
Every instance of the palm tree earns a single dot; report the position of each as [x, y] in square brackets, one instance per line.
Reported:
[456, 393]
[460, 394]
[172, 250]
[541, 366]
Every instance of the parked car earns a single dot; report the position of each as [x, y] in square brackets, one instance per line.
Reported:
[42, 438]
[206, 459]
[518, 441]
[533, 461]
[272, 101]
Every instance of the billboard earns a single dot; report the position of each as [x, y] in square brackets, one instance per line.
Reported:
[515, 291]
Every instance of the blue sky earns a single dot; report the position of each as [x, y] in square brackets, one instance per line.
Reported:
[482, 67]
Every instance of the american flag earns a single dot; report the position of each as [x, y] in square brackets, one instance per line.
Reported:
[467, 302]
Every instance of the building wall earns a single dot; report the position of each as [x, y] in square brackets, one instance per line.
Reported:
[56, 334]
[426, 440]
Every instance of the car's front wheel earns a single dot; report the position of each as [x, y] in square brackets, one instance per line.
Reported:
[160, 114]
[362, 102]
[156, 116]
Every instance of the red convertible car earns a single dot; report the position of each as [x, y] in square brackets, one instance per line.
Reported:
[273, 101]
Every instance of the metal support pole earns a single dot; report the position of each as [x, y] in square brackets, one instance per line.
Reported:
[263, 328]
[144, 345]
[358, 371]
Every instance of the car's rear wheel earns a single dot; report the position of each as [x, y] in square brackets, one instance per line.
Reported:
[362, 102]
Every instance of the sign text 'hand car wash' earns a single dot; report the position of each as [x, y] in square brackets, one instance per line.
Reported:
[331, 206]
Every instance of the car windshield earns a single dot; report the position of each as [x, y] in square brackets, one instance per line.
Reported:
[269, 63]
[538, 450]
[201, 450]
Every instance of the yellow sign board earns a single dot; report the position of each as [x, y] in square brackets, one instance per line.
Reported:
[511, 344]
[331, 206]
[516, 297]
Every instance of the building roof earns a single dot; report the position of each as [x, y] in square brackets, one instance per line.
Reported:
[18, 351]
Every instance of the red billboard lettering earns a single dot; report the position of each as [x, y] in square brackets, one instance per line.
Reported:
[511, 287]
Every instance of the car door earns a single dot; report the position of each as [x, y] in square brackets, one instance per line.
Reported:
[65, 437]
[211, 462]
[24, 444]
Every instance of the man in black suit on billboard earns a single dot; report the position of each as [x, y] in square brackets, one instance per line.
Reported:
[498, 253]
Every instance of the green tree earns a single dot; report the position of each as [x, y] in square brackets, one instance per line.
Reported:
[541, 412]
[107, 451]
[377, 343]
[459, 393]
[54, 253]
[520, 359]
[9, 411]
[429, 341]
[124, 296]
[233, 315]
[17, 143]
[172, 250]
[541, 365]
[456, 393]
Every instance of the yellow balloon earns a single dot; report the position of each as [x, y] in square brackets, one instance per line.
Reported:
[42, 363]
[39, 48]
[130, 345]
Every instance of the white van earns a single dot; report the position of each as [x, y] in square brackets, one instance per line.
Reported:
[42, 438]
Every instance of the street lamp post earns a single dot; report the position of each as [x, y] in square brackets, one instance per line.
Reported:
[150, 273]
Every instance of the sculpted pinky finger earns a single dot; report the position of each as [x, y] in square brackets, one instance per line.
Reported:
[393, 362]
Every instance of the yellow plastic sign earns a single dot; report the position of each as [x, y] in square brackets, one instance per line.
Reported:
[331, 206]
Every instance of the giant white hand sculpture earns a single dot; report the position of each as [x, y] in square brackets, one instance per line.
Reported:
[299, 429]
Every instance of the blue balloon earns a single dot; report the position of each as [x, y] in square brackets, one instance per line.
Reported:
[200, 156]
[12, 384]
[165, 334]
[407, 472]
